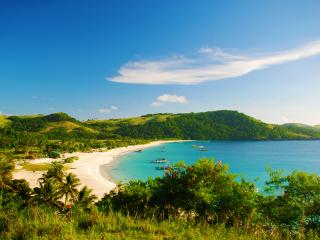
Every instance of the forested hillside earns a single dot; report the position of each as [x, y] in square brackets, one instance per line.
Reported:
[38, 135]
[215, 125]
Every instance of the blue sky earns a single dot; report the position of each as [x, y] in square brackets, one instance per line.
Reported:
[108, 59]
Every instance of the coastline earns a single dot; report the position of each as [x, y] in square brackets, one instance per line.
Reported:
[89, 167]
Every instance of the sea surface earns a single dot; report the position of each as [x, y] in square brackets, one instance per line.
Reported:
[248, 159]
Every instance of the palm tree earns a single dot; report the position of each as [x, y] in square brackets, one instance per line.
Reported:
[69, 187]
[55, 173]
[22, 189]
[85, 198]
[48, 193]
[6, 169]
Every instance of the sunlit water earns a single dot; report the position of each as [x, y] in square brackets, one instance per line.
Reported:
[245, 158]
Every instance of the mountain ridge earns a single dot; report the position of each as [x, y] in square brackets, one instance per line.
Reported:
[211, 125]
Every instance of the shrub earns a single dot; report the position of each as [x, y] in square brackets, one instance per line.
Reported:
[70, 159]
[54, 154]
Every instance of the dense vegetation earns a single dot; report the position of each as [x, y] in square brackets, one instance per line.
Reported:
[202, 201]
[38, 135]
[45, 136]
[217, 125]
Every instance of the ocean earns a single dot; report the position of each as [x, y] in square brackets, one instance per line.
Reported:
[248, 159]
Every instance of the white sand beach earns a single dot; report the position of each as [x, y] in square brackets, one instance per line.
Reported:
[87, 168]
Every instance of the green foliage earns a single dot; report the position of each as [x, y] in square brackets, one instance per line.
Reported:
[30, 137]
[70, 159]
[202, 201]
[6, 169]
[212, 194]
[4, 121]
[216, 125]
[207, 192]
[298, 205]
[54, 154]
[35, 166]
[86, 199]
[303, 129]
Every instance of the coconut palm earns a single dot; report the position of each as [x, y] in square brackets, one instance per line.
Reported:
[6, 169]
[69, 187]
[55, 173]
[85, 198]
[48, 193]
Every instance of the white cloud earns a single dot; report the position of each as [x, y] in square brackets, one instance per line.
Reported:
[104, 110]
[169, 98]
[285, 119]
[108, 110]
[210, 64]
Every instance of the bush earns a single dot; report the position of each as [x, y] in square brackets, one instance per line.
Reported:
[204, 191]
[70, 159]
[54, 154]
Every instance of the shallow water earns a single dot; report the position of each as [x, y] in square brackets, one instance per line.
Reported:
[245, 158]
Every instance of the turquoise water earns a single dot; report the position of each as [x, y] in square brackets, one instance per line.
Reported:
[246, 158]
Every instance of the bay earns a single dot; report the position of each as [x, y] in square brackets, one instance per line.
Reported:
[248, 159]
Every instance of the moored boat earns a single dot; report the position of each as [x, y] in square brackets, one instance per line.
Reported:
[160, 160]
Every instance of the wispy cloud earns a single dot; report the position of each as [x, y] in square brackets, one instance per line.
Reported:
[209, 64]
[169, 98]
[108, 110]
[104, 110]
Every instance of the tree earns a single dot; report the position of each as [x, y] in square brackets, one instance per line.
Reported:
[85, 198]
[48, 193]
[296, 204]
[6, 169]
[69, 188]
[54, 173]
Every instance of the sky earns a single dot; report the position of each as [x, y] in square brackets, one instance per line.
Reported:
[112, 59]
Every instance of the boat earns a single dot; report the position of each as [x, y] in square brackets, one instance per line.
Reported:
[197, 146]
[160, 160]
[138, 150]
[203, 150]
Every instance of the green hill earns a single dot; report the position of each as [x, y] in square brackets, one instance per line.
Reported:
[53, 124]
[4, 121]
[214, 125]
[304, 129]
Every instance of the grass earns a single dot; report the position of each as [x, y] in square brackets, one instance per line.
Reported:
[37, 167]
[133, 121]
[45, 223]
[69, 126]
[70, 159]
[4, 121]
[30, 116]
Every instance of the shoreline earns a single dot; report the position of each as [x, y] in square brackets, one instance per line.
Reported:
[88, 168]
